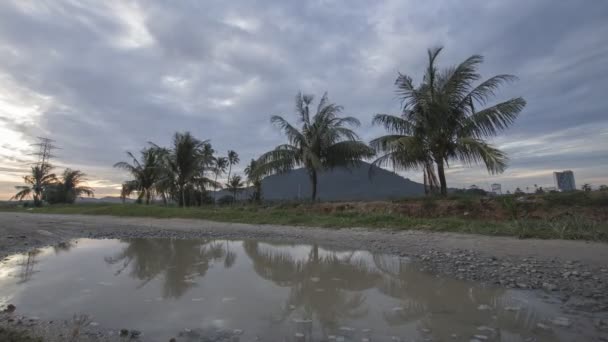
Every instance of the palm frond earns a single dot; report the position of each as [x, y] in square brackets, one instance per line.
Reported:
[490, 121]
[294, 136]
[347, 152]
[486, 89]
[393, 123]
[282, 159]
[473, 151]
[23, 193]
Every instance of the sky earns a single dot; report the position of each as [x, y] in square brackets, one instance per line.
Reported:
[105, 77]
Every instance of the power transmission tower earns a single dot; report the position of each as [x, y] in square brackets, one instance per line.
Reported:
[45, 151]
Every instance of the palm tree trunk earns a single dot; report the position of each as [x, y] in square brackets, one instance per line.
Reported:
[183, 193]
[426, 188]
[313, 181]
[441, 174]
[202, 189]
[215, 188]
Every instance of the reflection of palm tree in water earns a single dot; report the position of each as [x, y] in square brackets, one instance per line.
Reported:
[181, 261]
[447, 307]
[27, 266]
[324, 287]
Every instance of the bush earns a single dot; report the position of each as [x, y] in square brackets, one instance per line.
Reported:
[580, 198]
[225, 200]
[429, 204]
[466, 203]
[510, 206]
[10, 335]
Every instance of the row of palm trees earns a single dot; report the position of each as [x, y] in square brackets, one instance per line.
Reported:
[183, 172]
[42, 185]
[442, 121]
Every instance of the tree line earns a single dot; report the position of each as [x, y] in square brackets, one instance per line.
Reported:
[443, 119]
[42, 185]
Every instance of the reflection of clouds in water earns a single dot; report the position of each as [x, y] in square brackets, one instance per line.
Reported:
[445, 306]
[278, 284]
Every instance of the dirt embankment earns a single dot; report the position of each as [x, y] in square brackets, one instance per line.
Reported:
[485, 208]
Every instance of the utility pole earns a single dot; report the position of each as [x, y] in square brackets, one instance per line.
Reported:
[45, 151]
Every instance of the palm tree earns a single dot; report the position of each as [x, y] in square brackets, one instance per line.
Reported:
[70, 186]
[37, 182]
[235, 185]
[145, 172]
[255, 180]
[183, 163]
[207, 161]
[233, 159]
[404, 149]
[323, 142]
[586, 187]
[221, 163]
[442, 119]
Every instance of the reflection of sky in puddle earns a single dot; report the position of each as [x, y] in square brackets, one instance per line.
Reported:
[162, 286]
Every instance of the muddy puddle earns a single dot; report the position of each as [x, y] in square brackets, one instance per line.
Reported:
[251, 290]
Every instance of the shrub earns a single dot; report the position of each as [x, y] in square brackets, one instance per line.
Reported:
[429, 204]
[225, 200]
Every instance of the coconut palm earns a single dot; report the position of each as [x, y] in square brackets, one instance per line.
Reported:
[235, 185]
[183, 163]
[70, 186]
[442, 120]
[255, 180]
[37, 182]
[145, 172]
[403, 149]
[233, 159]
[323, 142]
[221, 163]
[207, 162]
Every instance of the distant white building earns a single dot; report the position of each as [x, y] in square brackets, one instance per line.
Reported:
[564, 181]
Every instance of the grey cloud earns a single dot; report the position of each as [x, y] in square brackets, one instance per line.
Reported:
[121, 75]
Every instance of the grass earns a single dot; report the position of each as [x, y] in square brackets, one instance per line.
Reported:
[12, 335]
[566, 227]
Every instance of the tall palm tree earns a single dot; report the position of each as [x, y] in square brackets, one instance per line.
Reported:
[145, 173]
[221, 163]
[235, 185]
[233, 159]
[207, 161]
[254, 180]
[184, 161]
[443, 116]
[37, 182]
[323, 142]
[403, 149]
[70, 185]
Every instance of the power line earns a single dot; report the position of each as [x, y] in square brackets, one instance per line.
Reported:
[45, 151]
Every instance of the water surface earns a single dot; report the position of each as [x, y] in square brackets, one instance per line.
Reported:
[265, 291]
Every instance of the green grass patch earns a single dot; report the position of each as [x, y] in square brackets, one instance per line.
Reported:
[567, 227]
[12, 335]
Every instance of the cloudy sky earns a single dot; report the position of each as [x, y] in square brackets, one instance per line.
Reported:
[103, 77]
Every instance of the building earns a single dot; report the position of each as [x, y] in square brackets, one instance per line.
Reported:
[564, 181]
